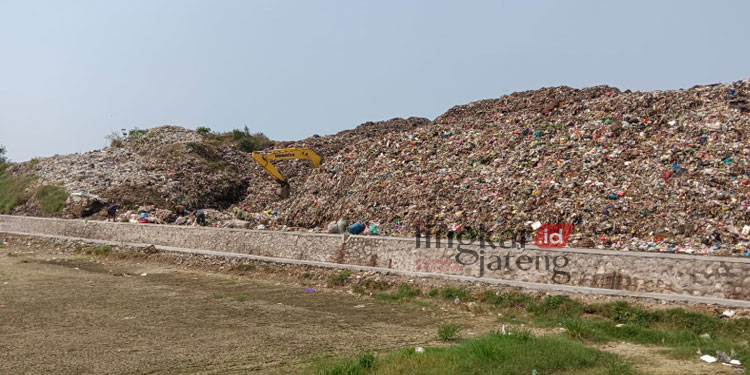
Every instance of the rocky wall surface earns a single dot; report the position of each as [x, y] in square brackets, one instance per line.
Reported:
[717, 277]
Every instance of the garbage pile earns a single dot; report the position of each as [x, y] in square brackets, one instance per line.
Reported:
[653, 171]
[646, 171]
[260, 194]
[162, 166]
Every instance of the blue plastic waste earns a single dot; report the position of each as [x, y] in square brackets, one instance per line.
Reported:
[356, 228]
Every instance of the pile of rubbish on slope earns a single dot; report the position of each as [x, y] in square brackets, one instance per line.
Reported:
[653, 171]
[162, 166]
[650, 171]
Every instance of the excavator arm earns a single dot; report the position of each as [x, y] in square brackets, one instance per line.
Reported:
[265, 160]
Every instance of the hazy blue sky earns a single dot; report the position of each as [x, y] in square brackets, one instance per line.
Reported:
[72, 72]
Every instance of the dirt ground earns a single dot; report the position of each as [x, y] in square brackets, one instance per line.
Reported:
[65, 313]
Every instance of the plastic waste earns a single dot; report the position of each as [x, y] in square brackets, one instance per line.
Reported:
[356, 228]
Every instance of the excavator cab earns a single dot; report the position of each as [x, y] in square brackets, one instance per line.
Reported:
[265, 160]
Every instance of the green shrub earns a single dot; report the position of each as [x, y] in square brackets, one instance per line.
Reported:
[247, 145]
[203, 130]
[248, 142]
[239, 134]
[366, 360]
[448, 332]
[135, 132]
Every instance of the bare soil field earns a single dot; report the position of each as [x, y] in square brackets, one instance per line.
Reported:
[75, 315]
[69, 313]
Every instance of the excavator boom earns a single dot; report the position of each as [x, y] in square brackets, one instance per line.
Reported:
[265, 159]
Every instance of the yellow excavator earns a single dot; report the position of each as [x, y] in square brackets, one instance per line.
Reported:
[265, 160]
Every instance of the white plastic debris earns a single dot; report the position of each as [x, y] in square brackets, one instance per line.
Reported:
[708, 358]
[419, 349]
[735, 362]
[728, 313]
[536, 225]
[144, 274]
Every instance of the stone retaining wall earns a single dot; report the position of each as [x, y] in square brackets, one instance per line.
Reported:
[706, 276]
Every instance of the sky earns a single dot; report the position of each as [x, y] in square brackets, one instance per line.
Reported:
[72, 72]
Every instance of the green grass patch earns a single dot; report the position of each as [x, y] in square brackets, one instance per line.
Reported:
[491, 298]
[373, 284]
[520, 353]
[340, 278]
[357, 366]
[447, 332]
[89, 250]
[453, 293]
[405, 291]
[51, 198]
[684, 332]
[240, 298]
[13, 190]
[100, 250]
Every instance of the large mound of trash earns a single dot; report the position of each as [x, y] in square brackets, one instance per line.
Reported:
[161, 167]
[662, 171]
[652, 171]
